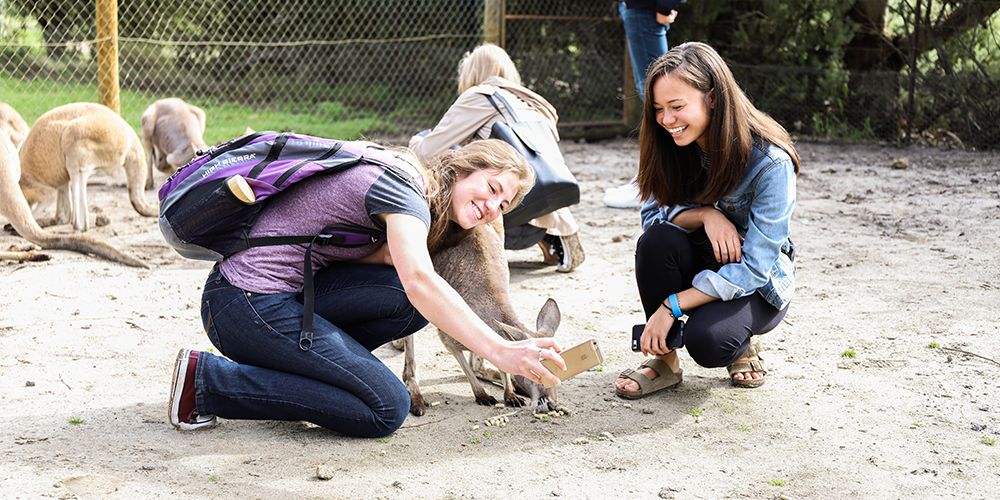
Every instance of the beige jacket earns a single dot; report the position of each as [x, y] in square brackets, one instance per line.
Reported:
[472, 116]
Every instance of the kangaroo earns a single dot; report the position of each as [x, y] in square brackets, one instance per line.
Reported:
[14, 208]
[477, 268]
[66, 145]
[15, 126]
[172, 131]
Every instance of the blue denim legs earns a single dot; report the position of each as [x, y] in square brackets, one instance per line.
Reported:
[337, 384]
[647, 40]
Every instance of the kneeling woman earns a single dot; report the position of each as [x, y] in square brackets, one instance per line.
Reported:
[720, 179]
[364, 297]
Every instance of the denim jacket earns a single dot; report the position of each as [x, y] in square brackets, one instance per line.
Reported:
[761, 209]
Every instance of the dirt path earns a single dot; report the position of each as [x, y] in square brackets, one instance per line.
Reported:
[897, 266]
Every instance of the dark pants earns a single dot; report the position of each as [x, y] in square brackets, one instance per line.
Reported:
[715, 334]
[338, 383]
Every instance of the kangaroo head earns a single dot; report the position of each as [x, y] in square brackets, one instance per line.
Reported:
[542, 399]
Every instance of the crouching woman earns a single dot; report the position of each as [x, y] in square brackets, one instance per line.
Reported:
[720, 179]
[252, 304]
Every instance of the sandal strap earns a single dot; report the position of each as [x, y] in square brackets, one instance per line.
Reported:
[750, 362]
[746, 366]
[638, 378]
[665, 376]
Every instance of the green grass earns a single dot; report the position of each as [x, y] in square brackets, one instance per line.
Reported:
[776, 482]
[933, 345]
[849, 353]
[695, 411]
[989, 441]
[743, 428]
[225, 121]
[76, 421]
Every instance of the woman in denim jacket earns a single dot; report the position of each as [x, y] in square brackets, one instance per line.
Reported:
[719, 179]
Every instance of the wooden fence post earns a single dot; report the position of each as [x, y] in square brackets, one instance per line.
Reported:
[493, 22]
[107, 53]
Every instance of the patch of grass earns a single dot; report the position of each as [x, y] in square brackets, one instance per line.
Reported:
[383, 440]
[988, 441]
[487, 434]
[916, 425]
[474, 440]
[213, 478]
[743, 428]
[224, 120]
[849, 353]
[76, 421]
[933, 345]
[776, 482]
[695, 412]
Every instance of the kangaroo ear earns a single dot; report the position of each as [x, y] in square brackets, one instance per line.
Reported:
[511, 333]
[548, 319]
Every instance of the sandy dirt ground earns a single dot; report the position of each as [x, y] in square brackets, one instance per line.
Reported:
[881, 380]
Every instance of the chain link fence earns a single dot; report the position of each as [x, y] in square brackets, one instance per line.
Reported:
[385, 69]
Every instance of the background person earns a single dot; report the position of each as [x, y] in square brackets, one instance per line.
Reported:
[485, 71]
[646, 25]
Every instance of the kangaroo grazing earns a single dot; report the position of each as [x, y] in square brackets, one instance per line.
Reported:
[477, 269]
[15, 126]
[15, 209]
[64, 147]
[172, 131]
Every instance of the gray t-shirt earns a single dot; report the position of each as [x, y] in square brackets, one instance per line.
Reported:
[353, 196]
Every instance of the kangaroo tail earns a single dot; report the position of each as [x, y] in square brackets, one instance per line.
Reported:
[87, 245]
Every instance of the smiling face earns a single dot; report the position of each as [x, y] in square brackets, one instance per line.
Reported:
[480, 197]
[681, 110]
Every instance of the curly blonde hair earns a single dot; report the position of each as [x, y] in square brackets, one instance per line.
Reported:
[445, 169]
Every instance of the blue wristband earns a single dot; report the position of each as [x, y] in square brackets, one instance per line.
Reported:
[675, 307]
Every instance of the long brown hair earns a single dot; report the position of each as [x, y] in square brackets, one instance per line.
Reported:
[673, 174]
[452, 165]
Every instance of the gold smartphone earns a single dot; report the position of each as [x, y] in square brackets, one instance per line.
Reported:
[578, 358]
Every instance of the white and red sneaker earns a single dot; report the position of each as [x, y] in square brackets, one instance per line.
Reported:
[182, 401]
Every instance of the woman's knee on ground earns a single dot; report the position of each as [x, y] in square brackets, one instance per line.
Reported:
[390, 415]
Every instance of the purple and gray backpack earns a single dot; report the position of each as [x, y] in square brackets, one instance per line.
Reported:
[202, 218]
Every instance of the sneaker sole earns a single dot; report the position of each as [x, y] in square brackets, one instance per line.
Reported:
[173, 409]
[176, 390]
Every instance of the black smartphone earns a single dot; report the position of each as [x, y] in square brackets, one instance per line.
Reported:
[636, 335]
[675, 339]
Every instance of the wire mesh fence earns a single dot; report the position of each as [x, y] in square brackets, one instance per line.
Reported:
[385, 69]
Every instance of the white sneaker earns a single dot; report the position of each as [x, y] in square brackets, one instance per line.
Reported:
[624, 196]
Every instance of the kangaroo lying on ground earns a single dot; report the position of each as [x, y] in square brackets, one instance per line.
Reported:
[14, 208]
[477, 268]
[15, 126]
[64, 147]
[172, 130]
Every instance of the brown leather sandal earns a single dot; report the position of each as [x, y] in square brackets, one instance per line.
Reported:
[750, 362]
[665, 379]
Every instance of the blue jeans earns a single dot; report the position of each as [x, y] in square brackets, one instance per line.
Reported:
[337, 384]
[647, 40]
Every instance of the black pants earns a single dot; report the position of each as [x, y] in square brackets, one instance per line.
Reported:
[715, 334]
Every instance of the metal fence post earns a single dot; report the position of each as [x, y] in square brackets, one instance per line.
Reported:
[107, 53]
[493, 22]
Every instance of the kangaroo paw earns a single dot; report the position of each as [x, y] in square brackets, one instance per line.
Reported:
[514, 401]
[486, 400]
[418, 406]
